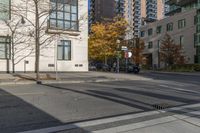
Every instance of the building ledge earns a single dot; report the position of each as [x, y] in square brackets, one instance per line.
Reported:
[58, 31]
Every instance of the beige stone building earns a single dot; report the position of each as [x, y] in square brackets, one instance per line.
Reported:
[181, 27]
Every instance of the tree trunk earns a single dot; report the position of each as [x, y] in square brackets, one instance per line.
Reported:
[37, 41]
[13, 53]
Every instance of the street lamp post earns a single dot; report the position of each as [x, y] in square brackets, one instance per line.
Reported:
[118, 52]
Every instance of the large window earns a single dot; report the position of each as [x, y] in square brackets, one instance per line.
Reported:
[159, 29]
[181, 40]
[64, 50]
[4, 47]
[181, 23]
[150, 32]
[4, 9]
[150, 45]
[142, 33]
[64, 14]
[169, 26]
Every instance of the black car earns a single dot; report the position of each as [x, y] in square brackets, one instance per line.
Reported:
[103, 67]
[131, 68]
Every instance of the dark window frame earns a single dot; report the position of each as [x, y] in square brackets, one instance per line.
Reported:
[181, 23]
[9, 17]
[159, 29]
[63, 50]
[7, 44]
[150, 32]
[142, 34]
[64, 20]
[150, 45]
[170, 26]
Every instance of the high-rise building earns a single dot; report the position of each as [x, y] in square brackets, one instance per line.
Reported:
[105, 10]
[148, 10]
[134, 11]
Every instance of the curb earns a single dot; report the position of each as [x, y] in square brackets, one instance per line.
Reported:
[58, 82]
[29, 82]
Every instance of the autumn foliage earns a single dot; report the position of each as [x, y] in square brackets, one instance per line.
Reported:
[103, 37]
[137, 49]
[170, 52]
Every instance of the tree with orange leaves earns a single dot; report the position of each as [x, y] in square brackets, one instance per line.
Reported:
[137, 48]
[103, 37]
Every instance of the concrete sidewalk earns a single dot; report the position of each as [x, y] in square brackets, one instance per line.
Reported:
[70, 77]
[171, 120]
[174, 73]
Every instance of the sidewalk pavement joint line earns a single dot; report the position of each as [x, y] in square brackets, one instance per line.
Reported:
[113, 119]
[175, 88]
[184, 118]
[22, 94]
[138, 125]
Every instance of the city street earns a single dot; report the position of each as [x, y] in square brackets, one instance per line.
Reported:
[132, 106]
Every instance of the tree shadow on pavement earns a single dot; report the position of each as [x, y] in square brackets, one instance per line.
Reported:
[17, 115]
[105, 97]
[186, 101]
[159, 96]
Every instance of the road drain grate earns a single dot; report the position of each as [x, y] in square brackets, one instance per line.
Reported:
[161, 106]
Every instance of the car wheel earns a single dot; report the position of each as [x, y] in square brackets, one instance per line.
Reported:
[136, 71]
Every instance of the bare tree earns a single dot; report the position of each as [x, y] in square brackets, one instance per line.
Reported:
[171, 53]
[19, 41]
[36, 14]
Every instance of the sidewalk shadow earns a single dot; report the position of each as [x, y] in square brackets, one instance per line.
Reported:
[17, 115]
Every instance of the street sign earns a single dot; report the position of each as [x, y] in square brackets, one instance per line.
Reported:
[130, 54]
[126, 54]
[124, 48]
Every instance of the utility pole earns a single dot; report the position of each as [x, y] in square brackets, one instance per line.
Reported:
[118, 54]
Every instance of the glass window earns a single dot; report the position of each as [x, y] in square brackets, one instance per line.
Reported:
[150, 32]
[169, 26]
[159, 29]
[65, 11]
[4, 9]
[142, 33]
[150, 45]
[64, 50]
[181, 23]
[4, 47]
[181, 40]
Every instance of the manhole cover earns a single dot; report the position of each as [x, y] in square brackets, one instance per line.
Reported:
[161, 106]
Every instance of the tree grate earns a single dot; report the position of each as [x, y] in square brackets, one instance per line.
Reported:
[161, 106]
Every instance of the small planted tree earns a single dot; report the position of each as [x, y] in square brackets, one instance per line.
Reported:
[171, 53]
[137, 49]
[20, 42]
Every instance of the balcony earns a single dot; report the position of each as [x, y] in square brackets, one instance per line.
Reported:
[179, 2]
[185, 2]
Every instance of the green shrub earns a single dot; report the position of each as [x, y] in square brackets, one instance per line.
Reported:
[197, 67]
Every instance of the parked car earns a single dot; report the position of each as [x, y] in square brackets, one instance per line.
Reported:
[103, 67]
[131, 68]
[92, 67]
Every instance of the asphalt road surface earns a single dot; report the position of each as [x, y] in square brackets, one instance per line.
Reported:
[30, 107]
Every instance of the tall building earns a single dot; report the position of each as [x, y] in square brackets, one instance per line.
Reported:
[105, 10]
[182, 24]
[134, 11]
[148, 11]
[63, 35]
